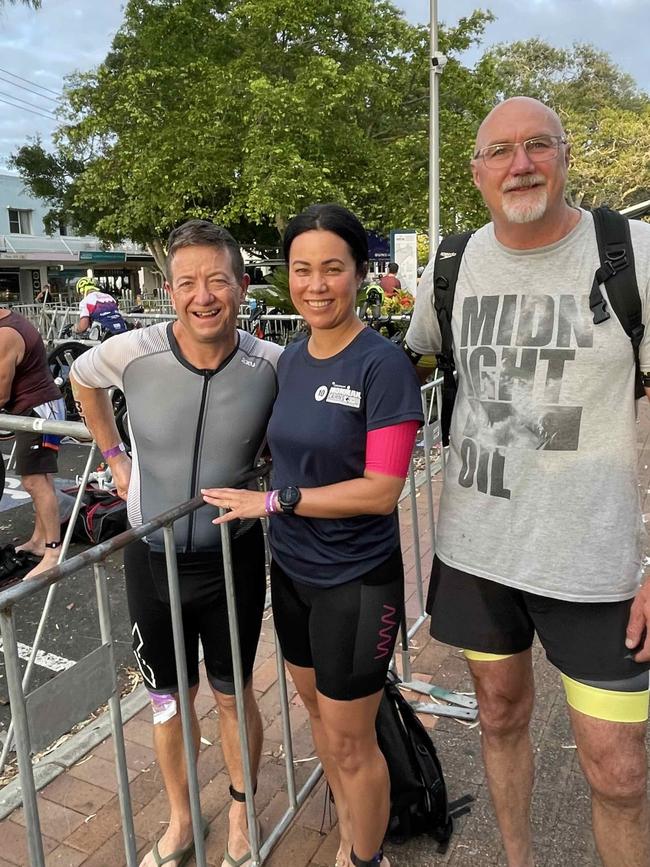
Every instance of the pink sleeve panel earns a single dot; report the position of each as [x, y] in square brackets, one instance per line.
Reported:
[388, 449]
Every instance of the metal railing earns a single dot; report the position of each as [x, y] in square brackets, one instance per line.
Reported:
[96, 672]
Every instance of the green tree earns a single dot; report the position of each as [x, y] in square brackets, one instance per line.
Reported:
[245, 112]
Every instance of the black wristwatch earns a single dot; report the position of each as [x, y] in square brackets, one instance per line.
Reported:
[288, 498]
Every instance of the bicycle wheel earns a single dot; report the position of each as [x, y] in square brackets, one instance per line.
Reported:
[60, 361]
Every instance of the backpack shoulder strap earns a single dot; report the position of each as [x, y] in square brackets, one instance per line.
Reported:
[618, 273]
[445, 274]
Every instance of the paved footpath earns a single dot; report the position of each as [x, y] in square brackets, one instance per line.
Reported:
[80, 814]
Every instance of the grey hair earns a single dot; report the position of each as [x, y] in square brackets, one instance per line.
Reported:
[195, 233]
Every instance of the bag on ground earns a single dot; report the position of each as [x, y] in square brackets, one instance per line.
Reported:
[418, 795]
[102, 515]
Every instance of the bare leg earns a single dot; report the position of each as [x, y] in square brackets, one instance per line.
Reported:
[349, 728]
[613, 758]
[238, 843]
[47, 526]
[305, 681]
[170, 754]
[505, 693]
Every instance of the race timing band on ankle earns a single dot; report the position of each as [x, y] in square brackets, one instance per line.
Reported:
[114, 451]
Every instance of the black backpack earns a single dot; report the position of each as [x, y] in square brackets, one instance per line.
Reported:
[418, 794]
[616, 271]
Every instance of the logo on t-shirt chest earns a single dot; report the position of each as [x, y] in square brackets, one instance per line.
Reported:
[343, 395]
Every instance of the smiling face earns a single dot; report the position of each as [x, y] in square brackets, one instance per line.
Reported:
[323, 279]
[206, 295]
[521, 191]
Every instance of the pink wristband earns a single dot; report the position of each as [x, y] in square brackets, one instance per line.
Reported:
[114, 451]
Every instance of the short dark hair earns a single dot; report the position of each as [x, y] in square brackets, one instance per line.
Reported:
[331, 218]
[196, 233]
[393, 267]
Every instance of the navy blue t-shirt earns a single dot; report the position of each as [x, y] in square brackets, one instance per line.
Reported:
[317, 436]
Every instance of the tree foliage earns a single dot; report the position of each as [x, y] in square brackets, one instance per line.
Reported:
[245, 111]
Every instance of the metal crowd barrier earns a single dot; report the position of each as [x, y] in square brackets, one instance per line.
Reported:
[81, 433]
[50, 319]
[94, 676]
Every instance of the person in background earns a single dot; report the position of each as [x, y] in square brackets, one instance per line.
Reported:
[27, 388]
[390, 283]
[97, 307]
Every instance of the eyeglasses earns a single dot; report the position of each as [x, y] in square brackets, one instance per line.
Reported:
[538, 150]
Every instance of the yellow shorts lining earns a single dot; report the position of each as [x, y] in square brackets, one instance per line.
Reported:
[606, 704]
[478, 656]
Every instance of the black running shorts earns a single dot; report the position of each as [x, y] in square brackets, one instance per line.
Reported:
[584, 640]
[205, 615]
[346, 633]
[32, 457]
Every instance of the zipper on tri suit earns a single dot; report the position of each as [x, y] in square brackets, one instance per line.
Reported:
[207, 376]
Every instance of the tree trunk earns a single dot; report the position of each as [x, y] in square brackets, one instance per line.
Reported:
[157, 250]
[281, 224]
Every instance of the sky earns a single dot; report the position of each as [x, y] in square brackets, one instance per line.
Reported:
[42, 47]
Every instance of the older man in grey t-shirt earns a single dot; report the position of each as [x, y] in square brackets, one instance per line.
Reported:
[540, 527]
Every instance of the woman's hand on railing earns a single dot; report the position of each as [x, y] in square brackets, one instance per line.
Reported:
[243, 504]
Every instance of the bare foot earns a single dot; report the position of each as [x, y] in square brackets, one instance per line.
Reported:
[49, 560]
[238, 841]
[31, 548]
[343, 855]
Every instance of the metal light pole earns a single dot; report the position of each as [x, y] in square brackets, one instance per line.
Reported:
[438, 62]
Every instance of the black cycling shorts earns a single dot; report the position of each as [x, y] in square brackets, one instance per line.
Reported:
[205, 615]
[347, 632]
[584, 640]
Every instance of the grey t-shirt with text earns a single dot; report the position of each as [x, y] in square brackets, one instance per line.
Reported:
[541, 488]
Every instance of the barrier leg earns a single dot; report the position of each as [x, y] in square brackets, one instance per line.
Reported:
[184, 693]
[23, 745]
[126, 810]
[239, 693]
[286, 726]
[36, 644]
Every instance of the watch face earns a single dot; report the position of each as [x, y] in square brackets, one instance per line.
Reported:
[289, 496]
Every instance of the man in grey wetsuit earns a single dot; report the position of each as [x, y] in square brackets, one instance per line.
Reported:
[199, 394]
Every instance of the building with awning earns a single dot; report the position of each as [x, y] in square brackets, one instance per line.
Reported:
[29, 257]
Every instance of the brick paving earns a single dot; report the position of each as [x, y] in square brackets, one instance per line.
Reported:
[79, 810]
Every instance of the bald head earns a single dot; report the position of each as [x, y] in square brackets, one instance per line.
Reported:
[514, 112]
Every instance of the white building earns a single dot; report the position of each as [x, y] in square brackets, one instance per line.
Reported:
[29, 257]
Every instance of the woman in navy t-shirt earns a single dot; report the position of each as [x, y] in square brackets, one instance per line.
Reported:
[341, 436]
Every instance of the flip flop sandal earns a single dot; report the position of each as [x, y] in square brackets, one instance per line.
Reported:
[182, 855]
[239, 862]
